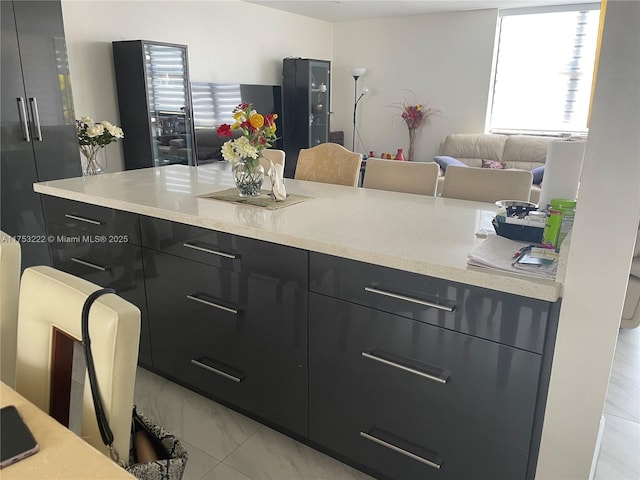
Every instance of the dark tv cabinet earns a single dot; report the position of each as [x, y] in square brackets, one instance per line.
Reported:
[306, 90]
[154, 98]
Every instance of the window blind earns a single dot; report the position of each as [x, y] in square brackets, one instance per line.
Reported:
[544, 69]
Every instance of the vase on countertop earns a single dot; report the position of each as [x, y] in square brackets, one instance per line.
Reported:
[400, 155]
[91, 162]
[248, 176]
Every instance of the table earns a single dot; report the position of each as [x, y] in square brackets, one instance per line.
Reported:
[62, 455]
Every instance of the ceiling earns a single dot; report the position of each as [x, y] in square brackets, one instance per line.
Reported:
[346, 10]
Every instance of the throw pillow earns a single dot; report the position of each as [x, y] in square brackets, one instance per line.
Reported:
[445, 161]
[538, 173]
[492, 164]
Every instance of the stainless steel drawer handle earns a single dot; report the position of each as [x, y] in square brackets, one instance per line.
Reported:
[407, 453]
[22, 112]
[216, 371]
[212, 304]
[208, 250]
[83, 219]
[446, 308]
[89, 264]
[36, 117]
[440, 379]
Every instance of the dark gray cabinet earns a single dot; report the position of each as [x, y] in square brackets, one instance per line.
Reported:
[229, 318]
[38, 126]
[102, 246]
[417, 377]
[306, 85]
[154, 99]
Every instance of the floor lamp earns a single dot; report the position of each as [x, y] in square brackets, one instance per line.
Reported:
[356, 73]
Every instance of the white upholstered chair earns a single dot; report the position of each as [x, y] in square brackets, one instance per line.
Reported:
[329, 163]
[49, 322]
[396, 176]
[276, 156]
[486, 184]
[10, 256]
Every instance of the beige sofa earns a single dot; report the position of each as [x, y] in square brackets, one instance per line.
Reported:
[523, 152]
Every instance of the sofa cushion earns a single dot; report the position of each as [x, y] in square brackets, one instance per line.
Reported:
[525, 151]
[472, 148]
[538, 174]
[445, 161]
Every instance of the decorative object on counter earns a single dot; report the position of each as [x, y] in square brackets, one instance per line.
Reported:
[244, 152]
[356, 73]
[264, 201]
[415, 116]
[93, 137]
[400, 156]
[276, 175]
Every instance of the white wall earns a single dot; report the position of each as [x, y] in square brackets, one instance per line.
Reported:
[228, 41]
[445, 59]
[601, 248]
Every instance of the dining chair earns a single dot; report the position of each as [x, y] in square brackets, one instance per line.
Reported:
[329, 163]
[396, 176]
[276, 156]
[49, 323]
[10, 256]
[486, 184]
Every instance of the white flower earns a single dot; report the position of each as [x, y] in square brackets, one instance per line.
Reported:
[228, 153]
[245, 149]
[95, 130]
[113, 130]
[86, 119]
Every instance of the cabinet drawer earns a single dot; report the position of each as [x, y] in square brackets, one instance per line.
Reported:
[230, 252]
[117, 266]
[508, 319]
[117, 226]
[235, 337]
[379, 383]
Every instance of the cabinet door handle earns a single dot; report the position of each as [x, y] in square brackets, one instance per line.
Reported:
[195, 298]
[83, 219]
[386, 293]
[440, 378]
[209, 250]
[89, 264]
[36, 117]
[22, 113]
[436, 463]
[217, 371]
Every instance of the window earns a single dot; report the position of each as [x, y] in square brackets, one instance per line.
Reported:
[544, 69]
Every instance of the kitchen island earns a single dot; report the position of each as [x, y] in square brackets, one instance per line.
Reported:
[349, 320]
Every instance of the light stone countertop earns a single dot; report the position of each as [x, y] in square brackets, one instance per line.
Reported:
[415, 233]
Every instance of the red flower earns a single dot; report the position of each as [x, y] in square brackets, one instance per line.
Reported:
[225, 131]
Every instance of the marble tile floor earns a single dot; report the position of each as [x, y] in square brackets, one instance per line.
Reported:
[225, 445]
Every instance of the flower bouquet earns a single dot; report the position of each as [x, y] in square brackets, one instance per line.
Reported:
[93, 136]
[257, 132]
[415, 116]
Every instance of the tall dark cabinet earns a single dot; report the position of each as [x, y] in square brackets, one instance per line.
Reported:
[154, 97]
[306, 88]
[38, 137]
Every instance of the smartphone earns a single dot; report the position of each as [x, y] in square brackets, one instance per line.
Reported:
[16, 440]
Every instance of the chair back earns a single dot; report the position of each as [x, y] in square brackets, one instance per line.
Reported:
[276, 156]
[49, 323]
[486, 184]
[10, 256]
[396, 176]
[329, 163]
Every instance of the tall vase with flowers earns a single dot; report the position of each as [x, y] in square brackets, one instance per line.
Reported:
[414, 116]
[257, 132]
[92, 137]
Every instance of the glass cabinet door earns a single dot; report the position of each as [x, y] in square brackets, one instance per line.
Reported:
[318, 103]
[168, 97]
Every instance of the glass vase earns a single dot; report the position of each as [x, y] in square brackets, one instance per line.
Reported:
[412, 143]
[248, 177]
[91, 164]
